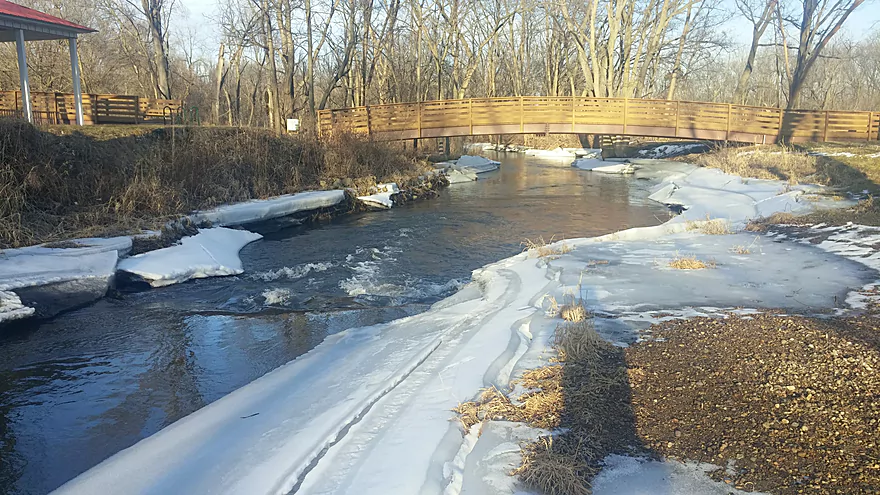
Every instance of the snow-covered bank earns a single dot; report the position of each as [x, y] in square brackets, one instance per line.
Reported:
[368, 410]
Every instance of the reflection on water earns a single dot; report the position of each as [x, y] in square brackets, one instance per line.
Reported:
[79, 388]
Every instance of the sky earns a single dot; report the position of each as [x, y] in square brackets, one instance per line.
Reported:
[863, 21]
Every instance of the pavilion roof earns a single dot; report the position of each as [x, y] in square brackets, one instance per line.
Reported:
[25, 13]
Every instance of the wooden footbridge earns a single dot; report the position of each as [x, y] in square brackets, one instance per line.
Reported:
[614, 116]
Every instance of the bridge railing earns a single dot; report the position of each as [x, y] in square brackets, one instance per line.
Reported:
[621, 116]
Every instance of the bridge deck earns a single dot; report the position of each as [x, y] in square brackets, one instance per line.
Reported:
[617, 116]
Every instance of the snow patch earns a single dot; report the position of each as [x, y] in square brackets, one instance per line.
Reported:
[554, 153]
[455, 176]
[470, 164]
[210, 253]
[598, 165]
[382, 197]
[11, 307]
[624, 475]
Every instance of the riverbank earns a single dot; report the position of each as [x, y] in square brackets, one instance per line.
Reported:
[65, 182]
[386, 392]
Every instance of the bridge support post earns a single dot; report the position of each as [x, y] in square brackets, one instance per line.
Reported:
[416, 144]
[729, 112]
[825, 129]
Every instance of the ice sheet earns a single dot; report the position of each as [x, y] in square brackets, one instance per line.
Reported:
[210, 253]
[267, 209]
[11, 307]
[475, 164]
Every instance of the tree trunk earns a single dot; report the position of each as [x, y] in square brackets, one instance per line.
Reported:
[153, 12]
[218, 84]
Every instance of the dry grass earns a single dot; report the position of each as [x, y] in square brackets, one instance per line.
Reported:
[761, 224]
[740, 249]
[57, 183]
[690, 263]
[577, 341]
[710, 226]
[743, 249]
[574, 312]
[545, 249]
[764, 162]
[587, 397]
[866, 212]
[794, 165]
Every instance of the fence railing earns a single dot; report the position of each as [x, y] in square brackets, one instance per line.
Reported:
[618, 116]
[60, 108]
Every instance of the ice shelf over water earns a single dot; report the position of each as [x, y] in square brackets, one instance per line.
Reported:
[599, 165]
[368, 411]
[382, 197]
[470, 164]
[11, 307]
[210, 253]
[47, 280]
[267, 209]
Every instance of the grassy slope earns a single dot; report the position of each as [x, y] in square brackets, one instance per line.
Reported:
[62, 182]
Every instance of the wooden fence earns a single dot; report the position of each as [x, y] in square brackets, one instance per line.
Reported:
[60, 108]
[617, 116]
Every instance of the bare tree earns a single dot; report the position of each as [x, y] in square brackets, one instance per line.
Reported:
[760, 13]
[817, 23]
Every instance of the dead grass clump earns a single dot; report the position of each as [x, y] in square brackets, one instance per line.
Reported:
[717, 226]
[545, 249]
[552, 471]
[743, 249]
[740, 249]
[574, 312]
[690, 263]
[577, 341]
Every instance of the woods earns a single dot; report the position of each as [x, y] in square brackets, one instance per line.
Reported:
[278, 59]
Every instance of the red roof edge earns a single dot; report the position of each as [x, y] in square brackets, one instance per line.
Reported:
[22, 12]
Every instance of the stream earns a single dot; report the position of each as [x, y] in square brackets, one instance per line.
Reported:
[76, 389]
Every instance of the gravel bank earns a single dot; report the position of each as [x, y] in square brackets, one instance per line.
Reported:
[789, 405]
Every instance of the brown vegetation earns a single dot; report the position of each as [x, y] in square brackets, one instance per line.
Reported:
[545, 249]
[690, 263]
[794, 165]
[717, 226]
[99, 180]
[588, 396]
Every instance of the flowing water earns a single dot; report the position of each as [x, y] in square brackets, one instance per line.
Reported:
[76, 389]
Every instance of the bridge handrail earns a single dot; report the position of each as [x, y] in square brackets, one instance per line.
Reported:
[584, 115]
